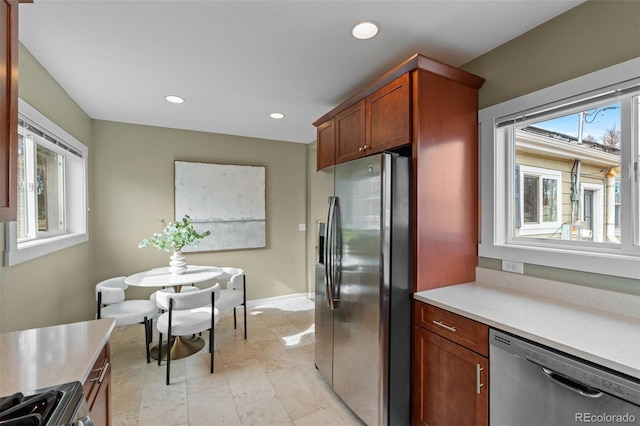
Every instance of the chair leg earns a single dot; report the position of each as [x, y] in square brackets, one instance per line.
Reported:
[147, 332]
[211, 337]
[244, 303]
[244, 308]
[168, 355]
[234, 318]
[169, 340]
[159, 347]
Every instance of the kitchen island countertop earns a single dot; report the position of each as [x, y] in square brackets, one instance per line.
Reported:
[48, 356]
[599, 333]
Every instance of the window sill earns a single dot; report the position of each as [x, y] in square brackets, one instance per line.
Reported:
[34, 249]
[616, 264]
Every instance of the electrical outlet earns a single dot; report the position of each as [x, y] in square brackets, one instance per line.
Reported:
[302, 227]
[511, 266]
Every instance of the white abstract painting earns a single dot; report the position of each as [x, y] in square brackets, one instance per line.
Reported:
[228, 200]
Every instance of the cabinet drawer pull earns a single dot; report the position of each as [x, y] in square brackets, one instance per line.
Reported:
[478, 381]
[104, 369]
[441, 324]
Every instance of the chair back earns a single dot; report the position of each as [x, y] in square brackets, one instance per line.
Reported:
[112, 290]
[189, 300]
[236, 278]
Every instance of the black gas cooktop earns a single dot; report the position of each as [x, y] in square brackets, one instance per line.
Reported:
[52, 406]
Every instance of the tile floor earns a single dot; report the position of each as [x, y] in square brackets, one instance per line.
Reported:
[268, 379]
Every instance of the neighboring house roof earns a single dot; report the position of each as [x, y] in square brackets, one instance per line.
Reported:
[534, 140]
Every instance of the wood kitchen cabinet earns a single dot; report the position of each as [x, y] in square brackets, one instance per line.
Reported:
[388, 122]
[326, 144]
[378, 122]
[451, 369]
[8, 109]
[97, 388]
[428, 110]
[350, 133]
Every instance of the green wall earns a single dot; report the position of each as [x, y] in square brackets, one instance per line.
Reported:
[56, 288]
[134, 186]
[589, 37]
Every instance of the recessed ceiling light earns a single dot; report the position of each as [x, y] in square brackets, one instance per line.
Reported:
[174, 99]
[276, 115]
[365, 30]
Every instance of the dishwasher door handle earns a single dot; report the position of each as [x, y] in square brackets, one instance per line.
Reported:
[576, 387]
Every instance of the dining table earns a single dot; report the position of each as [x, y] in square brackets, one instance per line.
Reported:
[180, 346]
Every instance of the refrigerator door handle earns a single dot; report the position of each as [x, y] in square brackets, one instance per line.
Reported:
[328, 264]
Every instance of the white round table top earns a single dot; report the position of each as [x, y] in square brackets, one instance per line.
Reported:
[161, 277]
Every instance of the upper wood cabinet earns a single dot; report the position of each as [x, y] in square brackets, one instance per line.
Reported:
[430, 109]
[326, 144]
[8, 109]
[379, 122]
[350, 133]
[388, 121]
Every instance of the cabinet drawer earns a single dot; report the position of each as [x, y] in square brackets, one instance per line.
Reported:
[468, 333]
[98, 373]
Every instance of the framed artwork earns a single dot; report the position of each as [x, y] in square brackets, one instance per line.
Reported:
[228, 200]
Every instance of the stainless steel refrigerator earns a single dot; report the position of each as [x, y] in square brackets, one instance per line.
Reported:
[362, 299]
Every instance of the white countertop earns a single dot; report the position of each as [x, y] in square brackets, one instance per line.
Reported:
[604, 337]
[49, 356]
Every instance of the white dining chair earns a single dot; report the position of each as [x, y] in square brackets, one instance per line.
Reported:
[234, 294]
[184, 289]
[187, 314]
[111, 303]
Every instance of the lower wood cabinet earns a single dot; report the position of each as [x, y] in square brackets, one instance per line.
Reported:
[97, 389]
[450, 381]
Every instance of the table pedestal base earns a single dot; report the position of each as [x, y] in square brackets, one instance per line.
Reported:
[181, 347]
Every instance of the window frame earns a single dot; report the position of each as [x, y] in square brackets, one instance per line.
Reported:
[75, 198]
[497, 178]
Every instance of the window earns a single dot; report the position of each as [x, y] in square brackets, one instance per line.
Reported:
[539, 203]
[52, 176]
[559, 175]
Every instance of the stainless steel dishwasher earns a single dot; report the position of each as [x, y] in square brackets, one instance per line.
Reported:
[534, 385]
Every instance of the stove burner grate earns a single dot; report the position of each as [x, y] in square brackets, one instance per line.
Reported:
[21, 410]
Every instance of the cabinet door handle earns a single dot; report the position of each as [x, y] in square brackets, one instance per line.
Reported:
[478, 381]
[366, 147]
[361, 148]
[441, 324]
[103, 373]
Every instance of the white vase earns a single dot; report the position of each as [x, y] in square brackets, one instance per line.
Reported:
[177, 265]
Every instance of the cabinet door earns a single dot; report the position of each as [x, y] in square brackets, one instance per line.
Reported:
[326, 144]
[97, 388]
[350, 133]
[8, 108]
[450, 383]
[388, 116]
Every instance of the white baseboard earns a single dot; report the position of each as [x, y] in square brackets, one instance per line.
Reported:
[277, 299]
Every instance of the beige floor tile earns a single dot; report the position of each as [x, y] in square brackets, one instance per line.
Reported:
[129, 395]
[125, 419]
[298, 394]
[326, 416]
[268, 379]
[272, 355]
[213, 406]
[264, 412]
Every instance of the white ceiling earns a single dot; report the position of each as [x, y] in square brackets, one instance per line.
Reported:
[235, 62]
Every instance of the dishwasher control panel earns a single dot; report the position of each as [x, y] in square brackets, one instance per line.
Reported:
[566, 366]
